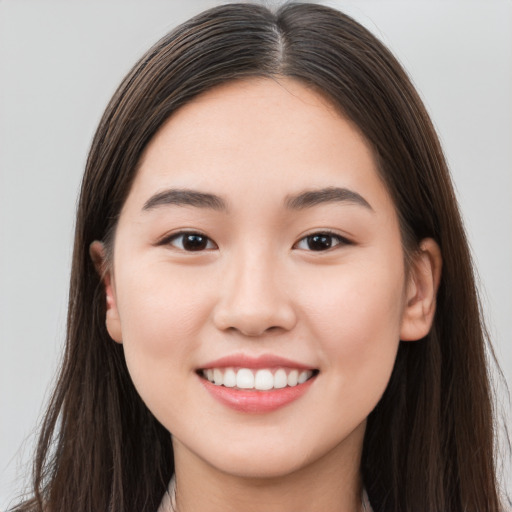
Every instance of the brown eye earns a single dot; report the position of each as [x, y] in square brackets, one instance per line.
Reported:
[191, 242]
[321, 241]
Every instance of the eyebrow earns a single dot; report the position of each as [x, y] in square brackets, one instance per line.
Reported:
[310, 198]
[185, 197]
[300, 201]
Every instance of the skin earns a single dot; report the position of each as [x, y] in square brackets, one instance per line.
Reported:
[258, 288]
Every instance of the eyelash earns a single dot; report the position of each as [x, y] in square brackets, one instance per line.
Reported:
[324, 234]
[182, 235]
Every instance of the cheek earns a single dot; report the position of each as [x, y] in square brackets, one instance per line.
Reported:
[161, 315]
[158, 305]
[355, 317]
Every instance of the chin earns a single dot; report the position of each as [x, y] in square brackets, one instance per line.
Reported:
[267, 459]
[260, 468]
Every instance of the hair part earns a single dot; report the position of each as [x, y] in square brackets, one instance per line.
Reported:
[429, 442]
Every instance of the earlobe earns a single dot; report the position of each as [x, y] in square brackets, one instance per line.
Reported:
[423, 283]
[113, 323]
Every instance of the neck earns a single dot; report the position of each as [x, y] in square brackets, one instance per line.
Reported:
[331, 483]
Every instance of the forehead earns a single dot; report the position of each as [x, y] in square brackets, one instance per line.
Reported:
[270, 137]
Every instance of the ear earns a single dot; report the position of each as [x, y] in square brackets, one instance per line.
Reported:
[113, 323]
[421, 291]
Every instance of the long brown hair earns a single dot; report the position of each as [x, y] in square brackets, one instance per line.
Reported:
[429, 442]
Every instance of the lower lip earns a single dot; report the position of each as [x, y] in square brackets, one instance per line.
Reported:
[253, 401]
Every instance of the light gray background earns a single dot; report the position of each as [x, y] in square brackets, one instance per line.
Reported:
[60, 61]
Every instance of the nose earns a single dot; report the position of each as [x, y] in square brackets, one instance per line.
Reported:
[253, 300]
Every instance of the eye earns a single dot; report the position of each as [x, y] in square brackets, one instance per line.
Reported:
[321, 241]
[190, 241]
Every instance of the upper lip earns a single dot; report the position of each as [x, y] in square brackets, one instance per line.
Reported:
[262, 361]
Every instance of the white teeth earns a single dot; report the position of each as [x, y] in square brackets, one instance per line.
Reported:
[303, 377]
[244, 379]
[264, 380]
[280, 379]
[261, 380]
[218, 377]
[293, 378]
[229, 378]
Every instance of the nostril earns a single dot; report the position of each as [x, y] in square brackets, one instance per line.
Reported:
[255, 333]
[254, 310]
[252, 330]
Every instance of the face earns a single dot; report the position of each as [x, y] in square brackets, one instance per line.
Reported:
[258, 283]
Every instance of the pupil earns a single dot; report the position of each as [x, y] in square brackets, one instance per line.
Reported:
[194, 242]
[319, 242]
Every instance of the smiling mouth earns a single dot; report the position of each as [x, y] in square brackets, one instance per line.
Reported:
[263, 379]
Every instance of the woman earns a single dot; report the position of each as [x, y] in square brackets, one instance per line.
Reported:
[269, 264]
